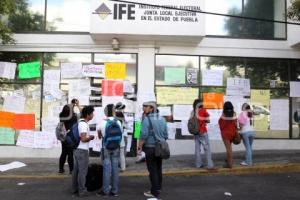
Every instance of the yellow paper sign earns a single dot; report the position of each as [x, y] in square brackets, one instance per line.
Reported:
[115, 70]
[172, 95]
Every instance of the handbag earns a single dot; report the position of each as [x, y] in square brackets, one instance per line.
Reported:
[237, 138]
[162, 149]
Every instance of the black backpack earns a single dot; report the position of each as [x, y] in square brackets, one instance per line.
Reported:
[193, 125]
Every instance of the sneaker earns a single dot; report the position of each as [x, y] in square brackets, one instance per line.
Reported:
[84, 194]
[113, 194]
[244, 163]
[201, 166]
[102, 194]
[149, 194]
[61, 171]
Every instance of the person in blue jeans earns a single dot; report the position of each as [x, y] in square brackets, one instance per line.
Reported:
[247, 132]
[202, 138]
[110, 157]
[147, 141]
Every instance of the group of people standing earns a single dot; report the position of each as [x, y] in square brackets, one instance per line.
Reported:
[229, 124]
[154, 128]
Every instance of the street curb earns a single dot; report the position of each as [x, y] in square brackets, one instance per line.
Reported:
[256, 169]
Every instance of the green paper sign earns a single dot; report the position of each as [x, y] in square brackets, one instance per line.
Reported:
[175, 75]
[7, 136]
[29, 70]
[137, 129]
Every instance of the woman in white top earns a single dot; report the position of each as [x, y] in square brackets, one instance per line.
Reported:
[247, 132]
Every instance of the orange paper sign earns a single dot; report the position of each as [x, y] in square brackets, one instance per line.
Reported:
[6, 119]
[213, 100]
[24, 122]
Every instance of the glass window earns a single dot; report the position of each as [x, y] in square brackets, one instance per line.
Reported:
[262, 71]
[246, 28]
[295, 70]
[129, 59]
[20, 57]
[223, 26]
[68, 15]
[28, 16]
[231, 67]
[295, 115]
[177, 70]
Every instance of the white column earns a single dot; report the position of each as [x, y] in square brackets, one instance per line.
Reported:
[146, 69]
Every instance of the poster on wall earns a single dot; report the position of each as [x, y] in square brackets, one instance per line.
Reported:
[175, 95]
[96, 71]
[7, 136]
[14, 104]
[112, 88]
[115, 71]
[213, 127]
[213, 100]
[71, 70]
[80, 89]
[8, 70]
[294, 89]
[182, 112]
[260, 102]
[191, 76]
[51, 81]
[279, 119]
[29, 70]
[212, 77]
[238, 87]
[175, 75]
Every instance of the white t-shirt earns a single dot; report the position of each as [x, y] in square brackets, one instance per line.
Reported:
[83, 127]
[102, 126]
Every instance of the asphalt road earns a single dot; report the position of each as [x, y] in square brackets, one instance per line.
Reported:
[279, 186]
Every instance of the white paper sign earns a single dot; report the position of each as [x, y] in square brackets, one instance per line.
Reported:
[238, 87]
[165, 111]
[294, 89]
[182, 112]
[171, 131]
[279, 119]
[7, 70]
[98, 115]
[51, 80]
[212, 77]
[93, 71]
[80, 89]
[130, 106]
[213, 128]
[26, 139]
[14, 104]
[127, 86]
[184, 128]
[71, 70]
[43, 140]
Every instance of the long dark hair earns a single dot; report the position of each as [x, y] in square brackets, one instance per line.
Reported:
[228, 110]
[66, 113]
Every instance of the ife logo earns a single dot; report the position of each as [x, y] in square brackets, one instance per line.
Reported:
[120, 11]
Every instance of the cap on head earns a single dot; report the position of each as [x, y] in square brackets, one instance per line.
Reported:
[120, 106]
[150, 103]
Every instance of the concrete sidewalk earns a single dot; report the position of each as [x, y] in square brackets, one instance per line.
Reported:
[264, 162]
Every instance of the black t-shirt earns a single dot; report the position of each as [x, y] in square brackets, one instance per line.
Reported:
[70, 122]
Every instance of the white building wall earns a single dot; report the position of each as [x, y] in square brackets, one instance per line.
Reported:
[146, 63]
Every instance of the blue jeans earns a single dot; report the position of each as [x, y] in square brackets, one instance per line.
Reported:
[248, 141]
[204, 141]
[110, 170]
